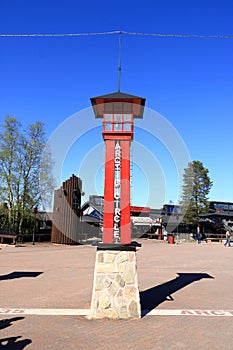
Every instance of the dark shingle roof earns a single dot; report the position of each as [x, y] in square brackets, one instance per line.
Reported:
[116, 97]
[118, 94]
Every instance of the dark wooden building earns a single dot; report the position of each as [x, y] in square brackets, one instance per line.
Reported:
[66, 212]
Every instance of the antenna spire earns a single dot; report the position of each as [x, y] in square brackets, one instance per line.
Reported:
[119, 61]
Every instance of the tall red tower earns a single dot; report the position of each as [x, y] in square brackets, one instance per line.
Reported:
[118, 111]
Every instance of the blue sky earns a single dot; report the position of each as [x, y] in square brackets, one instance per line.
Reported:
[188, 81]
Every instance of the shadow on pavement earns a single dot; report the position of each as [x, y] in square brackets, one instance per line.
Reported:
[152, 297]
[12, 343]
[8, 322]
[19, 274]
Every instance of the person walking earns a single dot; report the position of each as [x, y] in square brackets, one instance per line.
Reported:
[228, 239]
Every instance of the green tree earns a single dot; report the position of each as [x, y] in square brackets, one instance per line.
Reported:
[20, 166]
[3, 214]
[9, 171]
[197, 184]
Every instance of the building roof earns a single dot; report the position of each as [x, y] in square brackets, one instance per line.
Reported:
[117, 95]
[121, 100]
[217, 214]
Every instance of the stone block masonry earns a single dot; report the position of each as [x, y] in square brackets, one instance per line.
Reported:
[115, 289]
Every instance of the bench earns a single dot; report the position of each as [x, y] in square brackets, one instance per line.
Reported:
[14, 239]
[150, 235]
[215, 238]
[4, 237]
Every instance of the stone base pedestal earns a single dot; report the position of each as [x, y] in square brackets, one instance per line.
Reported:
[115, 290]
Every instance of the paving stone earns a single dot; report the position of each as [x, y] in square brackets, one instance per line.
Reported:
[66, 279]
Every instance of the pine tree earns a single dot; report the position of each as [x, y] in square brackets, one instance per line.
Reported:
[197, 185]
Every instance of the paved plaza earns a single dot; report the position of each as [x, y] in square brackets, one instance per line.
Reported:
[186, 295]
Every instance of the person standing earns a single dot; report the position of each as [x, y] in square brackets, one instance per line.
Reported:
[228, 239]
[198, 235]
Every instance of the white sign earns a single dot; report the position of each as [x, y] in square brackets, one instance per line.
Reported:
[142, 220]
[117, 189]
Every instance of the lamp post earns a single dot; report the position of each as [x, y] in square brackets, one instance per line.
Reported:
[34, 227]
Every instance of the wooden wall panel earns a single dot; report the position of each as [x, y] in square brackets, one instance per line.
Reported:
[66, 212]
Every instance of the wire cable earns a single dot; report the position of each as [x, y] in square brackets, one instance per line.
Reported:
[116, 32]
[176, 35]
[57, 34]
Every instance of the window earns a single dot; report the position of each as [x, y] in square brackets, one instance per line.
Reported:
[117, 117]
[108, 116]
[108, 126]
[117, 122]
[127, 127]
[127, 117]
[117, 126]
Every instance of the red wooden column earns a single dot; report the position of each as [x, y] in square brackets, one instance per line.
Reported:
[118, 111]
[125, 226]
[109, 192]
